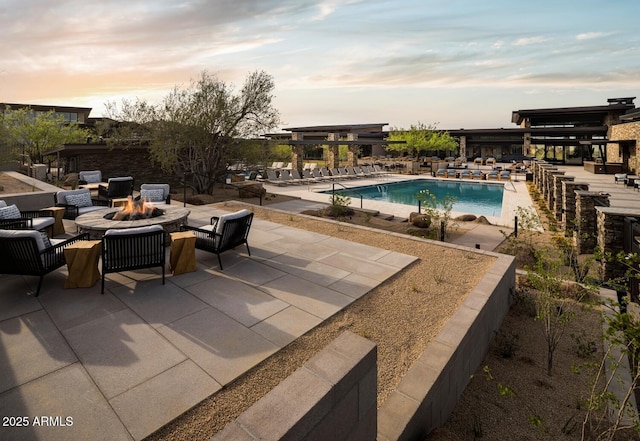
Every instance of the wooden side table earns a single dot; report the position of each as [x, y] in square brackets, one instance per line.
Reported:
[119, 202]
[82, 261]
[182, 258]
[58, 215]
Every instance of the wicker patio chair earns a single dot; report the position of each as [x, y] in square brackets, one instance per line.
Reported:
[224, 233]
[28, 253]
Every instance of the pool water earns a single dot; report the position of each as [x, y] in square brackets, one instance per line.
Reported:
[470, 197]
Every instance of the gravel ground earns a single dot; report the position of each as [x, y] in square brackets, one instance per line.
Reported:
[401, 316]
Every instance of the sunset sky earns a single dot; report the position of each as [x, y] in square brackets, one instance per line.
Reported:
[455, 63]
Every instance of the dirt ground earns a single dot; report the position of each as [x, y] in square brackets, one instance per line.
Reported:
[401, 316]
[10, 185]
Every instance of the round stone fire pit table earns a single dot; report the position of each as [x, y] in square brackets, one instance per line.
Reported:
[95, 223]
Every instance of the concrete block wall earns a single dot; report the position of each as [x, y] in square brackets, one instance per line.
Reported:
[332, 397]
[428, 393]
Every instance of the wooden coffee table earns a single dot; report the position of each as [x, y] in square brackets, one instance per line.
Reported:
[182, 257]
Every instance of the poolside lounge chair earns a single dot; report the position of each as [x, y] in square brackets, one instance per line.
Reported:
[490, 161]
[297, 178]
[477, 162]
[505, 175]
[477, 174]
[492, 176]
[318, 176]
[465, 174]
[452, 173]
[308, 176]
[273, 178]
[441, 173]
[285, 176]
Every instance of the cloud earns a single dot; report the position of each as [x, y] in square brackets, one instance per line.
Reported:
[591, 35]
[529, 41]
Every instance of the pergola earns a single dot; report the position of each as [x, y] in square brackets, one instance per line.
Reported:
[333, 136]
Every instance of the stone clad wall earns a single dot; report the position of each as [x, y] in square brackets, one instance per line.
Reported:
[586, 231]
[622, 132]
[134, 162]
[610, 225]
[558, 199]
[569, 204]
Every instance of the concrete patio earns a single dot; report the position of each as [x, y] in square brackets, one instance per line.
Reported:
[119, 366]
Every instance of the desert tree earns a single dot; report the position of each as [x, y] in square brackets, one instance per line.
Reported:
[33, 133]
[421, 138]
[196, 129]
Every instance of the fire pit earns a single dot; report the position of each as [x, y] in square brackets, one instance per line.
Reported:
[97, 222]
[135, 210]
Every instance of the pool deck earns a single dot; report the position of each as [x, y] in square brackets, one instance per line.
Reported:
[515, 194]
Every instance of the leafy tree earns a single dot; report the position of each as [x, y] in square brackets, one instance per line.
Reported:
[195, 130]
[36, 132]
[421, 138]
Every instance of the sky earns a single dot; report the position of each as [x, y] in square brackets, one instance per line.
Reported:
[453, 63]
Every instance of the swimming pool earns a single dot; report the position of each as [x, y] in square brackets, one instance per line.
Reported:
[470, 197]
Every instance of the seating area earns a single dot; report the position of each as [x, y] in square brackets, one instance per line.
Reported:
[14, 218]
[314, 174]
[116, 188]
[171, 346]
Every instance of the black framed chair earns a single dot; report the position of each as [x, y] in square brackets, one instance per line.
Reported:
[133, 248]
[120, 187]
[12, 217]
[28, 253]
[224, 233]
[77, 202]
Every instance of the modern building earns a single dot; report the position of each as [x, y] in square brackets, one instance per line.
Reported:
[78, 115]
[565, 135]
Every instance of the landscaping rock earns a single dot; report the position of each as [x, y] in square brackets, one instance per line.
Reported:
[420, 220]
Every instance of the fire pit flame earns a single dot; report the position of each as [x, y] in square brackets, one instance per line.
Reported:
[134, 210]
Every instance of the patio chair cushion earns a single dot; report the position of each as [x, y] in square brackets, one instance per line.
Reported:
[225, 217]
[91, 177]
[9, 212]
[153, 195]
[130, 231]
[2, 204]
[82, 199]
[61, 196]
[25, 233]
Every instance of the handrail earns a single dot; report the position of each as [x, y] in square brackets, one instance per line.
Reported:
[333, 191]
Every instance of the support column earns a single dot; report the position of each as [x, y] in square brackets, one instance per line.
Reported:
[352, 154]
[297, 152]
[333, 155]
[569, 204]
[463, 146]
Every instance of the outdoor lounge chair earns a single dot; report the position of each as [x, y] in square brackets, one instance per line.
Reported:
[308, 176]
[465, 174]
[120, 187]
[297, 178]
[89, 177]
[441, 173]
[505, 175]
[133, 248]
[620, 177]
[492, 175]
[477, 174]
[28, 253]
[156, 193]
[12, 217]
[224, 233]
[77, 202]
